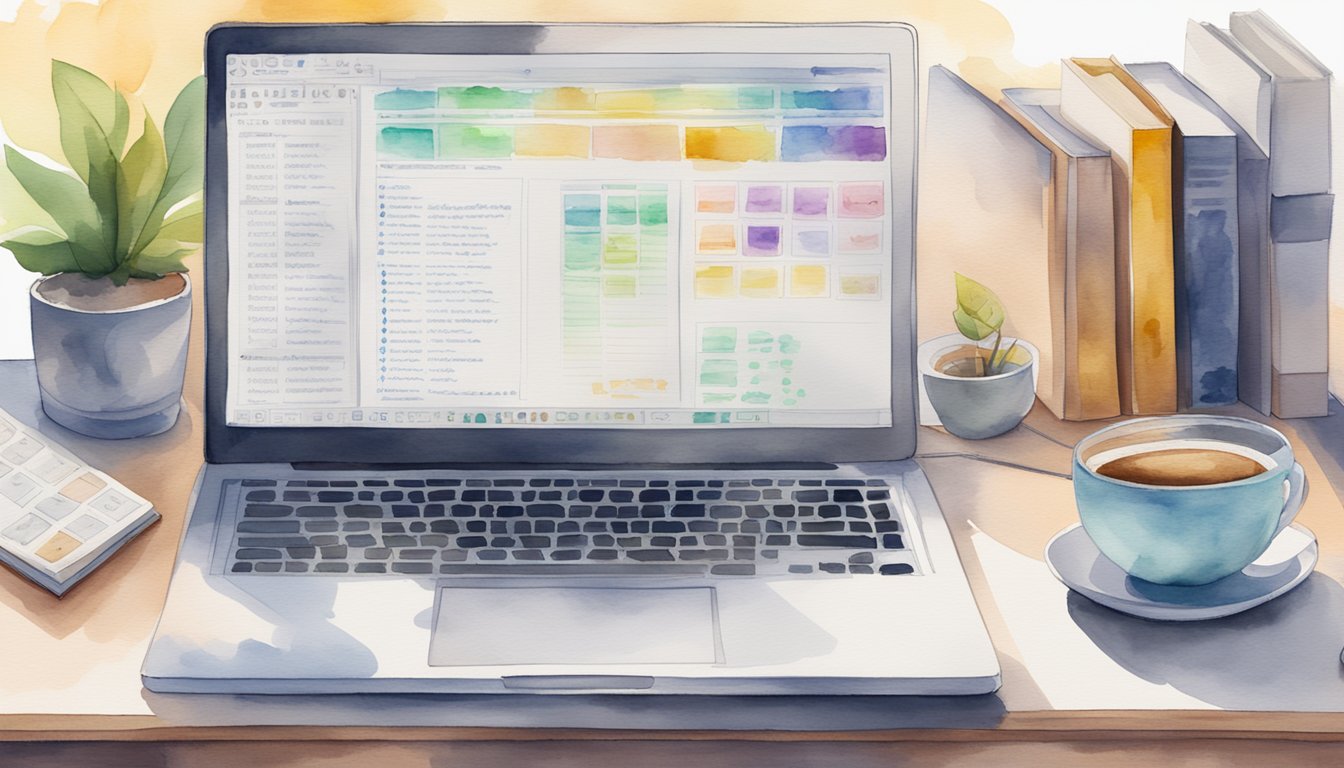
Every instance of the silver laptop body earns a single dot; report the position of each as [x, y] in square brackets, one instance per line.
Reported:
[563, 358]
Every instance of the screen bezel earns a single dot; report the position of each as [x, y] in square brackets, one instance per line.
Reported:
[568, 446]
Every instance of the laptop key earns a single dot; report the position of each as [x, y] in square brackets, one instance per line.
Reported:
[845, 541]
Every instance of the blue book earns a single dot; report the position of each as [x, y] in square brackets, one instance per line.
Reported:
[1205, 215]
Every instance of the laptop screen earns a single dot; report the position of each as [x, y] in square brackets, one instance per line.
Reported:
[599, 240]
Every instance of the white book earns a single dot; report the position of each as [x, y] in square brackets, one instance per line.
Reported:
[1296, 131]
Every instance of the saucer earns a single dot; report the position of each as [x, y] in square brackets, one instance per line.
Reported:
[1077, 562]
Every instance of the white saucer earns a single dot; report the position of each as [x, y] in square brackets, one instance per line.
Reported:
[1077, 562]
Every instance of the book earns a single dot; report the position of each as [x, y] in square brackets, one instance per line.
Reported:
[1103, 102]
[1263, 92]
[1081, 230]
[59, 518]
[1204, 199]
[983, 187]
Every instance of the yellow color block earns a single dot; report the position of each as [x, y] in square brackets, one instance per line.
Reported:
[626, 103]
[82, 488]
[860, 285]
[736, 144]
[808, 280]
[714, 282]
[564, 100]
[58, 546]
[549, 140]
[760, 282]
[716, 239]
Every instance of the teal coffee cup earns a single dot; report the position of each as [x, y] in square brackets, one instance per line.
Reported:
[1186, 500]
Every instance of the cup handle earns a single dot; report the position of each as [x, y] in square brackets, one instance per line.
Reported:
[1296, 494]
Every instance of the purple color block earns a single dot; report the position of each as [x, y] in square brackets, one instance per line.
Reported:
[838, 142]
[860, 142]
[762, 241]
[765, 199]
[811, 201]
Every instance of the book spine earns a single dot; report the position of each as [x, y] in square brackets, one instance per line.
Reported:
[1151, 278]
[1091, 289]
[1254, 330]
[1299, 139]
[1299, 255]
[1205, 216]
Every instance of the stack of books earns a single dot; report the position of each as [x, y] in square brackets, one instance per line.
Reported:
[1177, 222]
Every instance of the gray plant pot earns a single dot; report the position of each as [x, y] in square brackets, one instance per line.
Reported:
[977, 407]
[111, 373]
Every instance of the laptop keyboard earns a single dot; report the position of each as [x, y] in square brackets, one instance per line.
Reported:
[444, 526]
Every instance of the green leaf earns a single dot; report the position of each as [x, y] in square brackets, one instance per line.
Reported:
[979, 312]
[158, 258]
[184, 139]
[186, 224]
[139, 182]
[87, 104]
[41, 250]
[17, 208]
[67, 200]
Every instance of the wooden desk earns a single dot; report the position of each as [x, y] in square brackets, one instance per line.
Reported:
[1082, 685]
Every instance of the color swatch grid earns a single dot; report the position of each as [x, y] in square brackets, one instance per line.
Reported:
[771, 240]
[745, 123]
[747, 366]
[618, 305]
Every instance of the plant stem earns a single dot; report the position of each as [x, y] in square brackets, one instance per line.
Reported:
[989, 366]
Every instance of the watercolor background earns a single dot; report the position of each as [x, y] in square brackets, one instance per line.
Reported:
[152, 47]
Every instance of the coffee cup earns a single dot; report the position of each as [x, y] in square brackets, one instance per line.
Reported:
[1186, 500]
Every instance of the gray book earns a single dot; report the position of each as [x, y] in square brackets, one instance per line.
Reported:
[1285, 224]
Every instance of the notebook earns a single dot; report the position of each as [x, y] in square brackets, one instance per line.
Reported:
[563, 358]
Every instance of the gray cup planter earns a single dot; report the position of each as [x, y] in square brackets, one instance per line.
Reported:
[111, 373]
[977, 407]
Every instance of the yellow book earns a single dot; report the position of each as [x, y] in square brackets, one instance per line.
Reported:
[1106, 104]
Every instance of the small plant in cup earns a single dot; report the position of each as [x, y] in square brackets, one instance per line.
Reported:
[980, 315]
[978, 391]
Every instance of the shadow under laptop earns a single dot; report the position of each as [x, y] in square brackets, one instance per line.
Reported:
[605, 711]
[1283, 655]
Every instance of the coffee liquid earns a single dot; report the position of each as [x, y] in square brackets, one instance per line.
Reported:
[1181, 466]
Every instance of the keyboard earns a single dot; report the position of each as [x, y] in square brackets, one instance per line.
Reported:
[445, 526]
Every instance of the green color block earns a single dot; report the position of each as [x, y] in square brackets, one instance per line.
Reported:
[756, 398]
[621, 210]
[412, 143]
[759, 337]
[719, 397]
[620, 249]
[718, 373]
[467, 141]
[703, 417]
[719, 340]
[483, 97]
[789, 345]
[403, 98]
[583, 211]
[653, 210]
[618, 286]
[755, 98]
[582, 251]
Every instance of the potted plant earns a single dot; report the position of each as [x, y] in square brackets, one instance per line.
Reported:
[980, 383]
[111, 315]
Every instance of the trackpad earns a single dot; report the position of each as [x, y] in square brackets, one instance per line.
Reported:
[572, 625]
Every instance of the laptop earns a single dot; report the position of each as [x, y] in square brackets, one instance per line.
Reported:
[563, 358]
